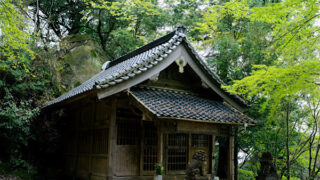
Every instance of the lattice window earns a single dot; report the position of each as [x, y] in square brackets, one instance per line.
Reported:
[127, 132]
[150, 147]
[84, 141]
[177, 151]
[100, 141]
[200, 140]
[149, 158]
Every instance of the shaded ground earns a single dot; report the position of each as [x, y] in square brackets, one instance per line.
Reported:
[9, 177]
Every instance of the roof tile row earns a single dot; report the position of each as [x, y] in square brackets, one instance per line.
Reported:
[169, 103]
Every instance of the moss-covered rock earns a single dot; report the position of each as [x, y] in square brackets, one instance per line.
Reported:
[81, 61]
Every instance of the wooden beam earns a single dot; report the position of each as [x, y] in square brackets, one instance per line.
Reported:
[196, 127]
[202, 121]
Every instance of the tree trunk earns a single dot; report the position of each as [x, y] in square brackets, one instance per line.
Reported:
[287, 142]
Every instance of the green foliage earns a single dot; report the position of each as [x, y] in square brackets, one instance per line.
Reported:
[270, 49]
[126, 10]
[24, 82]
[237, 10]
[159, 169]
[185, 12]
[21, 95]
[246, 175]
[295, 30]
[14, 40]
[235, 42]
[25, 171]
[278, 84]
[282, 90]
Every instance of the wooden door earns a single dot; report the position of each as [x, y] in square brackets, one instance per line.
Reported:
[127, 159]
[149, 148]
[176, 153]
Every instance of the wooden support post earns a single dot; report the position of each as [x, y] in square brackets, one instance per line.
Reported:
[160, 145]
[112, 140]
[141, 147]
[189, 151]
[230, 173]
[92, 112]
[212, 155]
[75, 170]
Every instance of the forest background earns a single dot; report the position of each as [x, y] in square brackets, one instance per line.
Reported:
[267, 51]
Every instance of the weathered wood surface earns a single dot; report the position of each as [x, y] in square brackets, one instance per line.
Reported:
[112, 138]
[213, 149]
[197, 127]
[91, 116]
[86, 139]
[230, 173]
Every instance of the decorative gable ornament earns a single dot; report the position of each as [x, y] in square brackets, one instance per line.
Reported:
[181, 63]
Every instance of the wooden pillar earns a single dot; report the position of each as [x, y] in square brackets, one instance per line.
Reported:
[212, 155]
[92, 118]
[230, 168]
[160, 144]
[112, 140]
[189, 151]
[141, 147]
[77, 116]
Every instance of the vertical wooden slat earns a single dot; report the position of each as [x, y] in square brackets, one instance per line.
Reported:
[112, 139]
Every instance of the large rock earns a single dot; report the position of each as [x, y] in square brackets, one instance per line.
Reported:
[81, 61]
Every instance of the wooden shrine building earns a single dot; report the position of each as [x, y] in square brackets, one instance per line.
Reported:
[157, 104]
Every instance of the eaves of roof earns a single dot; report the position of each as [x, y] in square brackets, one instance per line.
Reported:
[172, 104]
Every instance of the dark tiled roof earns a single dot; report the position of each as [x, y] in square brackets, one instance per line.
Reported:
[136, 62]
[128, 65]
[177, 104]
